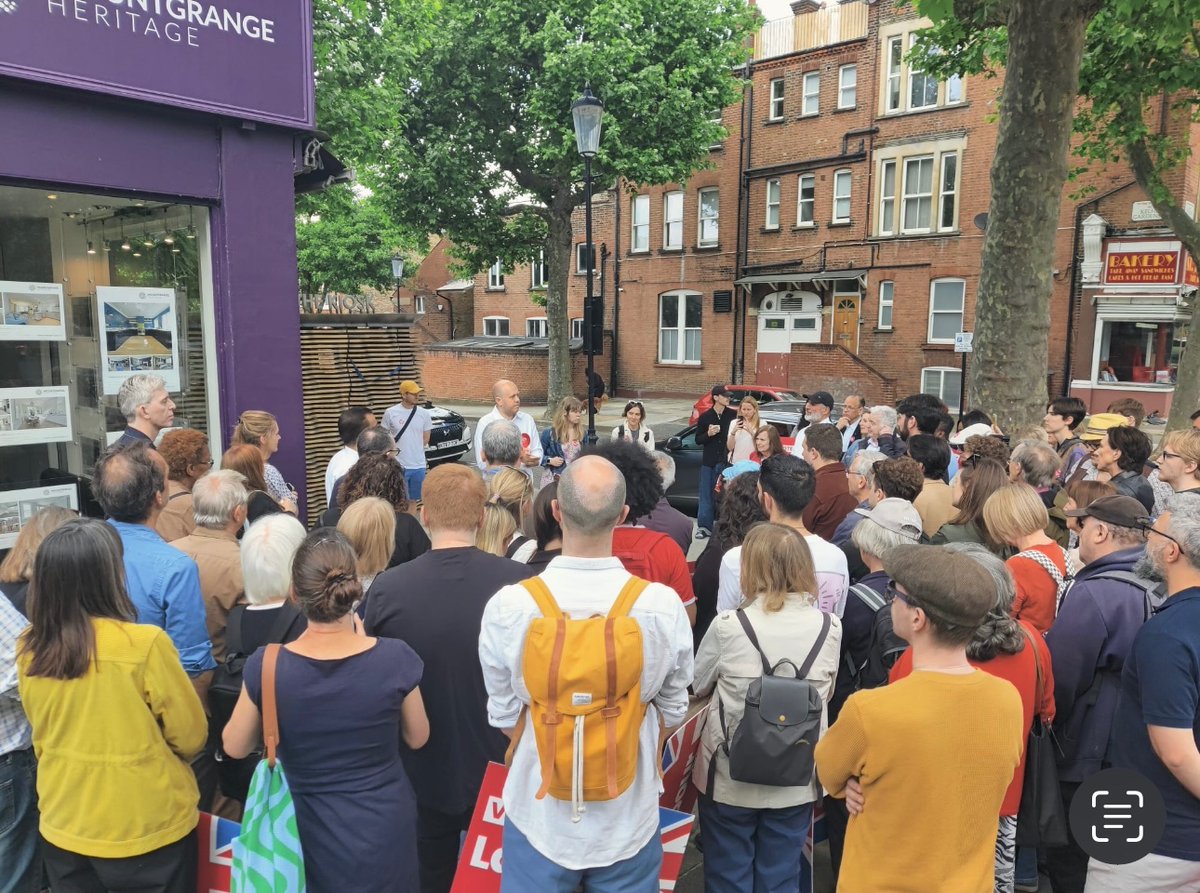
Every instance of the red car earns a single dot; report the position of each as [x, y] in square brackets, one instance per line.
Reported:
[738, 391]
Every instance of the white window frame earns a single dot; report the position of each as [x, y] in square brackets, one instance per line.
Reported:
[493, 322]
[843, 185]
[887, 200]
[952, 88]
[419, 304]
[774, 196]
[961, 312]
[893, 90]
[806, 204]
[639, 219]
[911, 80]
[906, 195]
[942, 372]
[537, 271]
[810, 103]
[714, 220]
[775, 108]
[496, 276]
[580, 258]
[947, 192]
[887, 303]
[681, 329]
[898, 78]
[848, 93]
[577, 328]
[533, 324]
[672, 220]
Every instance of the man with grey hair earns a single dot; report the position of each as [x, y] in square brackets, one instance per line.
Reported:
[507, 397]
[1156, 728]
[665, 518]
[1037, 463]
[613, 844]
[860, 481]
[147, 407]
[219, 504]
[853, 407]
[1089, 643]
[500, 447]
[884, 436]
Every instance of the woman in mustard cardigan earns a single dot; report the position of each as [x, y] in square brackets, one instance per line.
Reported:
[115, 721]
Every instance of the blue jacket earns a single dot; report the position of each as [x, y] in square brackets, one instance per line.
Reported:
[551, 448]
[1088, 643]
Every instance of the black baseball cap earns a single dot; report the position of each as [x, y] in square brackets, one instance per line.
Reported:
[718, 390]
[820, 398]
[1124, 511]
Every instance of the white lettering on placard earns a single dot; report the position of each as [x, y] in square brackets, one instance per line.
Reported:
[493, 812]
[145, 18]
[479, 851]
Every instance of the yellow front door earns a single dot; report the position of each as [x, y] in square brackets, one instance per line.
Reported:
[845, 322]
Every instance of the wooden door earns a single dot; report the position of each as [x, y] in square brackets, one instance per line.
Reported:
[845, 322]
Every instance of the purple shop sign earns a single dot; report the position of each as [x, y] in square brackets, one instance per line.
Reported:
[249, 59]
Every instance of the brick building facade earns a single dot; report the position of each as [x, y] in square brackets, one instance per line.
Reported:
[835, 239]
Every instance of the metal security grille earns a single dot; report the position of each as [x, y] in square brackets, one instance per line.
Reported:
[350, 360]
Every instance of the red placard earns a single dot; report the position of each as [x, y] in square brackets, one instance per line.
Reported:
[482, 857]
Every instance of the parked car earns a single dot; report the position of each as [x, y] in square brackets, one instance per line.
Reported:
[685, 492]
[450, 437]
[738, 391]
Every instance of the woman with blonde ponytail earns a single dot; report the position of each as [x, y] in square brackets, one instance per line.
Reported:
[344, 701]
[261, 429]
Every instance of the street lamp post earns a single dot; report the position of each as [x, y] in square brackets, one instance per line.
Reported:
[397, 274]
[587, 112]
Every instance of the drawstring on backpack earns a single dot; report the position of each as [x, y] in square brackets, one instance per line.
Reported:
[577, 807]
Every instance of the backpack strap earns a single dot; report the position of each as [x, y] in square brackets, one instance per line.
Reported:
[270, 717]
[1047, 565]
[542, 597]
[550, 610]
[515, 546]
[233, 630]
[802, 673]
[869, 597]
[630, 593]
[749, 630]
[288, 613]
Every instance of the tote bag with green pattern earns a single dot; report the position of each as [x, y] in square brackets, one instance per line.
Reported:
[267, 857]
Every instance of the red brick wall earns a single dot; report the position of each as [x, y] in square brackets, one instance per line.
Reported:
[468, 375]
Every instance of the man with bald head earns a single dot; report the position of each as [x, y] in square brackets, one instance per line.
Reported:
[130, 483]
[614, 844]
[508, 407]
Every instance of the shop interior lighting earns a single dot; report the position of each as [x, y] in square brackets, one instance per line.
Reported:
[52, 196]
[191, 233]
[125, 246]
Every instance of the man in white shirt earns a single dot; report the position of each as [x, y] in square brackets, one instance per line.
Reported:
[351, 423]
[786, 485]
[817, 409]
[615, 844]
[410, 424]
[508, 407]
[853, 406]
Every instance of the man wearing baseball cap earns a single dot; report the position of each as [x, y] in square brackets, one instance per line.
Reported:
[712, 432]
[1089, 643]
[410, 424]
[933, 753]
[817, 410]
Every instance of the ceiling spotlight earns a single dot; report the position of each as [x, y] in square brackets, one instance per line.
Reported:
[169, 239]
[107, 247]
[91, 248]
[174, 250]
[137, 254]
[125, 246]
[52, 196]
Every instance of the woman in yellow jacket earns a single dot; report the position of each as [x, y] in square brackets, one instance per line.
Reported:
[115, 721]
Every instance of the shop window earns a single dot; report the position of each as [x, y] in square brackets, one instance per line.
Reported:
[640, 217]
[710, 214]
[944, 382]
[947, 298]
[1140, 351]
[887, 294]
[673, 220]
[775, 112]
[495, 326]
[496, 276]
[679, 327]
[537, 271]
[773, 197]
[93, 289]
[535, 327]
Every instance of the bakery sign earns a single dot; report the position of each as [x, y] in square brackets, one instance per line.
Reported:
[1145, 262]
[250, 59]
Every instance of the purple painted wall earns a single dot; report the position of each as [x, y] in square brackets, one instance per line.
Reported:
[73, 141]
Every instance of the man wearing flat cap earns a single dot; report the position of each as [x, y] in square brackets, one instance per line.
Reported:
[1089, 642]
[933, 753]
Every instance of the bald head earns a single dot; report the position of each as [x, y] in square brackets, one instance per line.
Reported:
[130, 482]
[507, 396]
[591, 496]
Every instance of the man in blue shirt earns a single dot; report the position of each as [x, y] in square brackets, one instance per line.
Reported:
[130, 484]
[1156, 731]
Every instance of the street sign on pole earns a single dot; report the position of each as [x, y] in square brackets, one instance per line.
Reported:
[963, 345]
[962, 342]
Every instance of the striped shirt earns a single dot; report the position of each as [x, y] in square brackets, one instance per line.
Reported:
[15, 733]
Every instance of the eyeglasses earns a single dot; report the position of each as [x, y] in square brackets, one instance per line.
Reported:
[1148, 526]
[1166, 455]
[391, 454]
[1091, 445]
[208, 464]
[892, 592]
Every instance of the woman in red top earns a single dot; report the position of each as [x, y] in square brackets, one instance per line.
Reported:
[1016, 516]
[1001, 647]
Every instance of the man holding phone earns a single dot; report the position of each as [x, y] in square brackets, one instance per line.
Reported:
[712, 432]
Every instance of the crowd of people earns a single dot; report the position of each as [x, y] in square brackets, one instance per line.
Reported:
[879, 618]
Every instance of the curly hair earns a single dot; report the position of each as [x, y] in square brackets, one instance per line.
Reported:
[899, 478]
[375, 474]
[985, 446]
[182, 448]
[740, 510]
[643, 483]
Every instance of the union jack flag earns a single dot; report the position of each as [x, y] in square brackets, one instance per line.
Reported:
[214, 837]
[676, 829]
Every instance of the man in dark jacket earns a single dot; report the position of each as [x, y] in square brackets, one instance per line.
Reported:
[831, 501]
[1089, 641]
[712, 432]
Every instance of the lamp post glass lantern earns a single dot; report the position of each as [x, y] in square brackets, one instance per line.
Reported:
[587, 112]
[397, 274]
